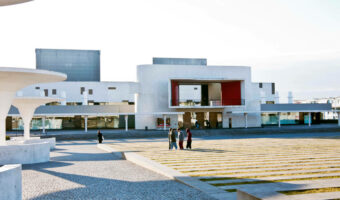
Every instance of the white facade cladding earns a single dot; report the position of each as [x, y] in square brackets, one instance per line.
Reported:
[95, 92]
[154, 94]
[168, 93]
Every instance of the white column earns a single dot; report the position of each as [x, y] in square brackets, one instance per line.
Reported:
[309, 119]
[5, 105]
[27, 115]
[164, 124]
[43, 124]
[126, 123]
[279, 119]
[85, 118]
[246, 119]
[2, 130]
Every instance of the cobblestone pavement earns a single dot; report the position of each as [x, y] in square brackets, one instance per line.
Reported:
[78, 170]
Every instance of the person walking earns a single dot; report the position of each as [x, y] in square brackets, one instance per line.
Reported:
[169, 137]
[173, 139]
[100, 137]
[189, 138]
[180, 139]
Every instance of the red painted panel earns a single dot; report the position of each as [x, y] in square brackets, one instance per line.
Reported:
[174, 93]
[231, 93]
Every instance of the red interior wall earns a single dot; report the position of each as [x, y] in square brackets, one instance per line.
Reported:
[174, 93]
[231, 93]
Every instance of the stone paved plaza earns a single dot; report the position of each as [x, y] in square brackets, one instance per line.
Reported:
[78, 170]
[266, 167]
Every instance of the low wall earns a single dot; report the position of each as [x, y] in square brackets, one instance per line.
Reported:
[16, 153]
[10, 182]
[34, 140]
[51, 141]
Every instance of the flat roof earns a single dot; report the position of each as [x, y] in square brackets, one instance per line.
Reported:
[91, 110]
[276, 108]
[310, 107]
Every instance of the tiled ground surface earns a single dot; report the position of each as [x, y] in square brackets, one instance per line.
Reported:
[233, 164]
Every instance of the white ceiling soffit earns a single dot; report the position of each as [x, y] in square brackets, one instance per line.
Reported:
[12, 2]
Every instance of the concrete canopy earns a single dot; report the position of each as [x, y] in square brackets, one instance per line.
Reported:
[14, 79]
[27, 107]
[12, 2]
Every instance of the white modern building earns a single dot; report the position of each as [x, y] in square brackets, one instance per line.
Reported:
[170, 92]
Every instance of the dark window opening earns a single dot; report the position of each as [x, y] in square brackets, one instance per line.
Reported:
[90, 91]
[82, 90]
[54, 92]
[46, 92]
[111, 88]
[273, 88]
[37, 88]
[261, 85]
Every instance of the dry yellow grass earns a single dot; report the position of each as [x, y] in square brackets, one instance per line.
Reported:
[215, 160]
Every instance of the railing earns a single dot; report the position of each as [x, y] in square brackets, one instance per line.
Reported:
[212, 103]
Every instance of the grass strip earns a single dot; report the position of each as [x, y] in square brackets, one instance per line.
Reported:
[231, 190]
[264, 171]
[271, 175]
[265, 181]
[311, 191]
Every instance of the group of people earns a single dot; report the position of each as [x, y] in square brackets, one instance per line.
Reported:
[172, 139]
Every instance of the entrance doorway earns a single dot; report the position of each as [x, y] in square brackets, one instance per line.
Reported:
[230, 122]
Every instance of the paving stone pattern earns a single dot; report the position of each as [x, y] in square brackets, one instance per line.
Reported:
[261, 166]
[79, 170]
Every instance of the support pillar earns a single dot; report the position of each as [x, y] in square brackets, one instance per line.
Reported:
[85, 124]
[309, 119]
[2, 130]
[126, 123]
[246, 119]
[279, 119]
[43, 124]
[164, 122]
[27, 115]
[5, 105]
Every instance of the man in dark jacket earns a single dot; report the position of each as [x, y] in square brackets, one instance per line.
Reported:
[169, 137]
[173, 139]
[100, 137]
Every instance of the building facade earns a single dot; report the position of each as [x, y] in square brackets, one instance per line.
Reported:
[170, 92]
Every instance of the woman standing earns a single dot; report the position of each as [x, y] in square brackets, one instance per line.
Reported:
[100, 137]
[180, 139]
[189, 140]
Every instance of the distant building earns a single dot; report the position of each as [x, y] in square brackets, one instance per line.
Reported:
[170, 92]
[79, 65]
[335, 101]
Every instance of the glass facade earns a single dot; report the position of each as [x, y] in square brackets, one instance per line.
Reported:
[77, 122]
[285, 118]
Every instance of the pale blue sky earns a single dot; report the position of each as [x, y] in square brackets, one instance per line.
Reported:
[294, 43]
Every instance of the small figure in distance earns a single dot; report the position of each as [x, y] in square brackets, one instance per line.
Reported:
[180, 138]
[197, 125]
[173, 139]
[100, 137]
[169, 137]
[189, 138]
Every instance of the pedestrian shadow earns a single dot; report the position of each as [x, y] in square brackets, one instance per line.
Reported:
[209, 150]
